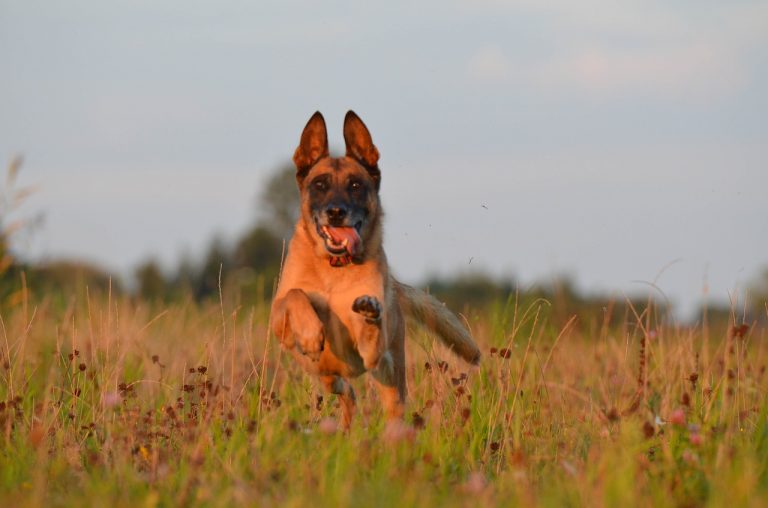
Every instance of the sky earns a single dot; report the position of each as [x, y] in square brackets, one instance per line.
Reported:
[617, 142]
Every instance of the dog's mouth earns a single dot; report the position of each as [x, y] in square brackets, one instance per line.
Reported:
[341, 241]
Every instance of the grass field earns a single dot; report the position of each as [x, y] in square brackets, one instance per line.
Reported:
[116, 402]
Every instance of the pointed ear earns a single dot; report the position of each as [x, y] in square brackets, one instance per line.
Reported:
[360, 145]
[312, 147]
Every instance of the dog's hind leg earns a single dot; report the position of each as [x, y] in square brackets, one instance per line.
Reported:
[389, 377]
[341, 387]
[390, 373]
[392, 398]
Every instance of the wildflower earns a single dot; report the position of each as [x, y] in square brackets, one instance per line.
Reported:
[740, 331]
[396, 431]
[328, 426]
[648, 430]
[111, 399]
[475, 484]
[677, 417]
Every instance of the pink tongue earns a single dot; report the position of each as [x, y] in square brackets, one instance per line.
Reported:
[348, 234]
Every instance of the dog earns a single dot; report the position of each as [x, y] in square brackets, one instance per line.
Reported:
[337, 307]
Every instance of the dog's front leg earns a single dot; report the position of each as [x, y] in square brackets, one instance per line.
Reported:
[295, 323]
[368, 331]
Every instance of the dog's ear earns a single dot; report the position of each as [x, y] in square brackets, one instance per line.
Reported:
[312, 147]
[360, 145]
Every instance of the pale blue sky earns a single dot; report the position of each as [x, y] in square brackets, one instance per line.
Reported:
[605, 138]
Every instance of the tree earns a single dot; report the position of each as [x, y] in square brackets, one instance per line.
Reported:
[253, 260]
[278, 204]
[258, 249]
[217, 262]
[759, 296]
[151, 282]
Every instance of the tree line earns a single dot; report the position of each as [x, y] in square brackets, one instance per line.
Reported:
[245, 270]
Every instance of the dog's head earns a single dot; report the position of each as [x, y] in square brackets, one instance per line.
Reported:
[340, 196]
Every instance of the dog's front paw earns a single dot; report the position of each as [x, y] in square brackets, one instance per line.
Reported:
[311, 340]
[368, 307]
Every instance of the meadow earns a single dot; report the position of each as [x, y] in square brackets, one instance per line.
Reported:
[116, 401]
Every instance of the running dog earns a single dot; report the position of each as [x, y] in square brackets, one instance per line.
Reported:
[337, 308]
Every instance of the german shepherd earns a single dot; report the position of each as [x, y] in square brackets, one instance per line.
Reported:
[338, 309]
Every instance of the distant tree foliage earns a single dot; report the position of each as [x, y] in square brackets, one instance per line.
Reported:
[150, 281]
[246, 269]
[279, 202]
[760, 292]
[258, 248]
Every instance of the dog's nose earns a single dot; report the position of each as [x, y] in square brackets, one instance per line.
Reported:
[336, 214]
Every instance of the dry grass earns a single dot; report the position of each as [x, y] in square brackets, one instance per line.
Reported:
[118, 403]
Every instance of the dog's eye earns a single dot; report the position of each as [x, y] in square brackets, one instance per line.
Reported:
[355, 186]
[320, 185]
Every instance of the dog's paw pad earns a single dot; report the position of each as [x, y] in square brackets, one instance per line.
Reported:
[368, 307]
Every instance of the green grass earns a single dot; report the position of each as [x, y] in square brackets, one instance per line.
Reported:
[121, 403]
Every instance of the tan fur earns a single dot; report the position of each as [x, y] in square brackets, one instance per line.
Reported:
[312, 313]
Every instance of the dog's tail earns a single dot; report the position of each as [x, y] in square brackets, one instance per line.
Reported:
[436, 317]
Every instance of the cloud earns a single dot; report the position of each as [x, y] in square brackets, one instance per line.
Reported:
[489, 64]
[699, 70]
[605, 49]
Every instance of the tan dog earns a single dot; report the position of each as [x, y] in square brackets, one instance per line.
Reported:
[337, 308]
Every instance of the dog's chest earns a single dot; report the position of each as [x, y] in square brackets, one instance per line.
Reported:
[332, 297]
